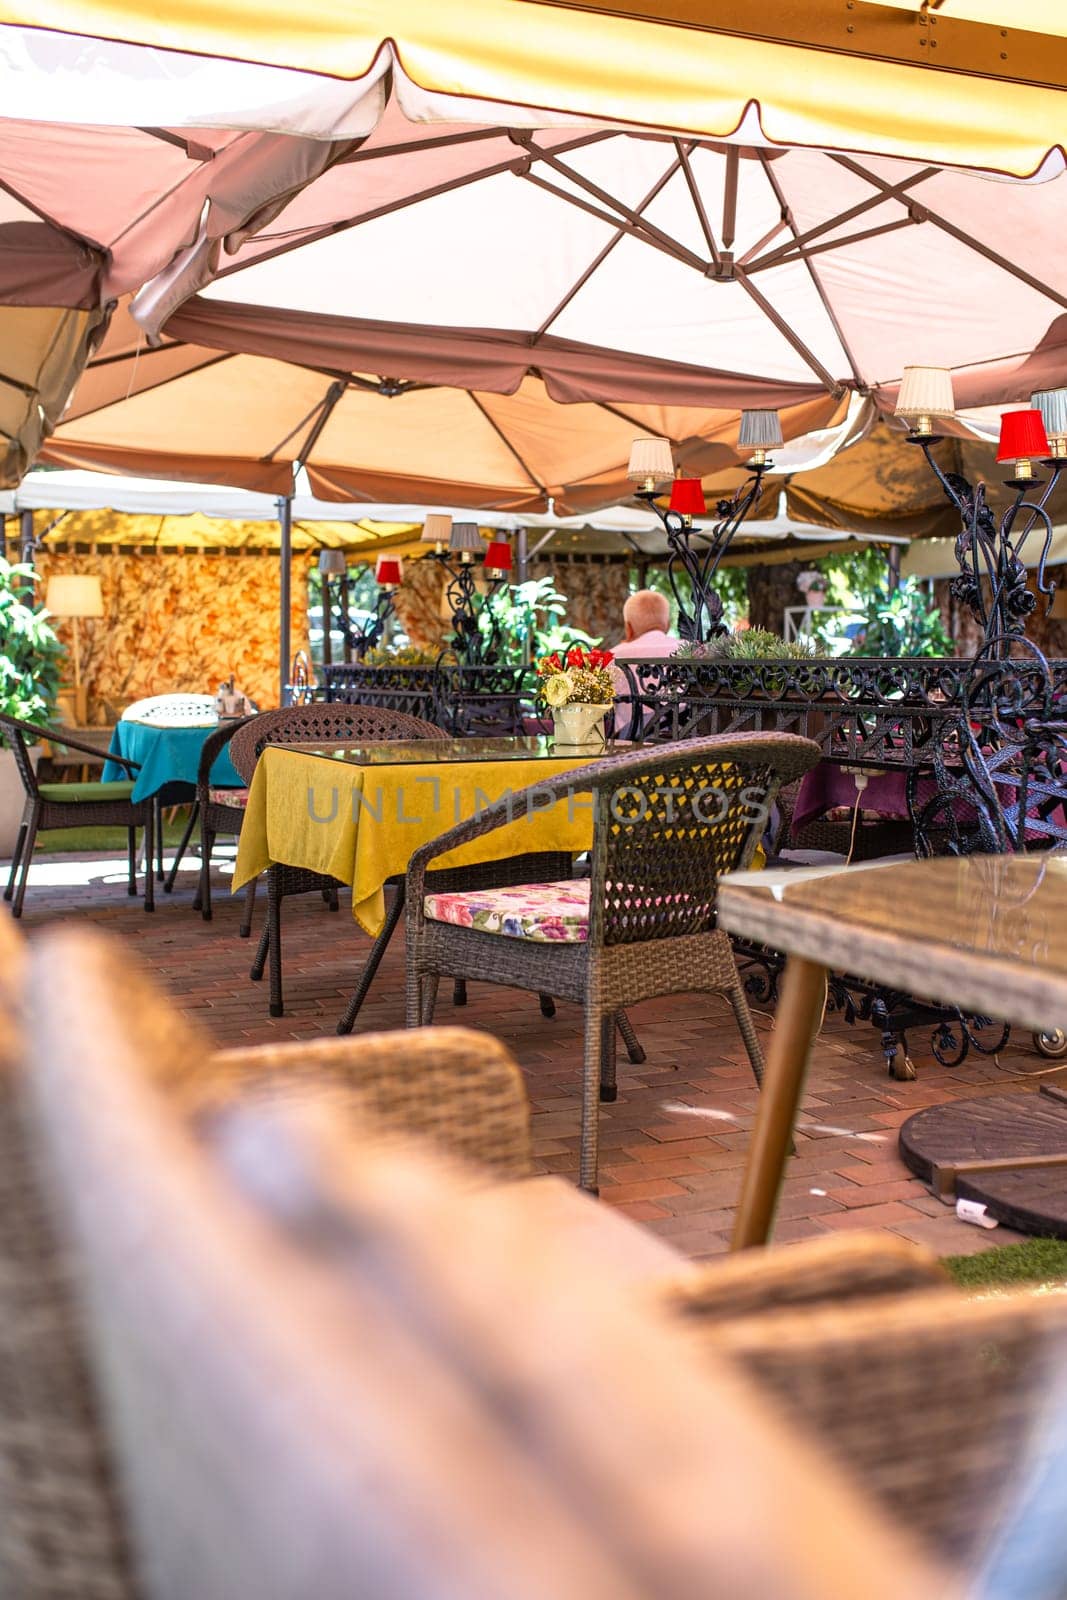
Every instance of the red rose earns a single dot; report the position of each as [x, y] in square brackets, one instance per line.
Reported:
[576, 656]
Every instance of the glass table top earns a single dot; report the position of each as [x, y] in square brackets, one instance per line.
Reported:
[988, 933]
[427, 752]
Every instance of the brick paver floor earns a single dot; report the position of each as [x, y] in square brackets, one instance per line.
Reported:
[674, 1143]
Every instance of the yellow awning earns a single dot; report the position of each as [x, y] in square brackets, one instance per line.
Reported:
[972, 82]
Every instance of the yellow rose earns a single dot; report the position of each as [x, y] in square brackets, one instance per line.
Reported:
[557, 689]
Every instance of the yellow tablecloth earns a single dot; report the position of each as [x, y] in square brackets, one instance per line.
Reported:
[362, 824]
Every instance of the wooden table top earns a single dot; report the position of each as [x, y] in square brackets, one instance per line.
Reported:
[985, 933]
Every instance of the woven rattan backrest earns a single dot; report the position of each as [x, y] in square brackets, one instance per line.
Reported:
[329, 721]
[672, 821]
[14, 736]
[60, 1523]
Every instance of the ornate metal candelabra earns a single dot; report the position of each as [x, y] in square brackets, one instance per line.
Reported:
[992, 576]
[387, 574]
[698, 552]
[473, 644]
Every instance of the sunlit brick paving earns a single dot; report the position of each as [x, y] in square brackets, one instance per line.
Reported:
[672, 1146]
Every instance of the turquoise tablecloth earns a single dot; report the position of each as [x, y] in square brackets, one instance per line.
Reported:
[166, 755]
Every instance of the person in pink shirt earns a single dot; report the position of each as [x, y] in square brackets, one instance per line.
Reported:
[646, 617]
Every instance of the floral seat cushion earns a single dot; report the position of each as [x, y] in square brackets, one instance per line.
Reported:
[228, 797]
[553, 913]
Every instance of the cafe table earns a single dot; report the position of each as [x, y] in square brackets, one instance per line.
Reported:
[357, 813]
[985, 933]
[167, 757]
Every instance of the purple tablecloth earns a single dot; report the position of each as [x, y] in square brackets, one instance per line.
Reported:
[829, 785]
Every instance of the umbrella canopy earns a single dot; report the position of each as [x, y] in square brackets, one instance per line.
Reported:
[977, 82]
[188, 412]
[599, 260]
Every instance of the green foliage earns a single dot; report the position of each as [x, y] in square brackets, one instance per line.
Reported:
[751, 644]
[30, 653]
[730, 582]
[408, 655]
[903, 622]
[534, 610]
[1033, 1261]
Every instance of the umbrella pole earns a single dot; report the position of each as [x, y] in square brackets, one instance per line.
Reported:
[285, 521]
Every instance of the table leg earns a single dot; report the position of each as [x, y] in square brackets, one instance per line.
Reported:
[796, 1023]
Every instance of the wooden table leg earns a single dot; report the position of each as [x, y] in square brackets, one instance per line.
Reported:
[796, 1023]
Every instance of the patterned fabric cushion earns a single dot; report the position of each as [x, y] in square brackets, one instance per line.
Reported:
[556, 913]
[228, 797]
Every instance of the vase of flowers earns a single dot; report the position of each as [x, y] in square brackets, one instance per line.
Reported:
[579, 689]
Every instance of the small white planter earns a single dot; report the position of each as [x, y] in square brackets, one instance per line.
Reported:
[12, 798]
[579, 727]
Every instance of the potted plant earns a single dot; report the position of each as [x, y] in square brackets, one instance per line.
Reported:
[29, 680]
[579, 689]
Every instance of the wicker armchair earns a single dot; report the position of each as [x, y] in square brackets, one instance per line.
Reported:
[647, 926]
[309, 1389]
[73, 805]
[314, 724]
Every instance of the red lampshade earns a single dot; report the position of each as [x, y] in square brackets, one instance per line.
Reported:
[687, 497]
[1022, 437]
[387, 572]
[498, 555]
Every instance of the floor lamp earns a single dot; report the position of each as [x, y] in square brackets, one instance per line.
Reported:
[75, 595]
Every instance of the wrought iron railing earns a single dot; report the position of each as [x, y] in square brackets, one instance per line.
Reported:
[461, 699]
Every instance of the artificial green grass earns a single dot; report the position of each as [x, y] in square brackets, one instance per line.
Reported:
[1033, 1261]
[113, 840]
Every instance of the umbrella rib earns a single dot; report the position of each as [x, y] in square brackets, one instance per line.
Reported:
[787, 333]
[889, 192]
[333, 395]
[698, 201]
[534, 479]
[790, 256]
[602, 255]
[148, 388]
[639, 224]
[926, 215]
[432, 193]
[317, 407]
[729, 198]
[788, 219]
[381, 152]
[667, 247]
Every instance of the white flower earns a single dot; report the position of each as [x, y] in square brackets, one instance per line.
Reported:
[557, 689]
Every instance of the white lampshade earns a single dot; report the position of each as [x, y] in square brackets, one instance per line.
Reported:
[437, 529]
[74, 595]
[760, 430]
[925, 392]
[650, 460]
[332, 563]
[1052, 404]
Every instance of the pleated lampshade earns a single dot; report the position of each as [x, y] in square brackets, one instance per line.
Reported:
[651, 461]
[760, 430]
[498, 556]
[388, 571]
[437, 529]
[687, 496]
[466, 540]
[1022, 437]
[925, 392]
[1052, 404]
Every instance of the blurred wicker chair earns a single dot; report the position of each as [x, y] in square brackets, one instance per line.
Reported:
[73, 805]
[329, 1366]
[645, 923]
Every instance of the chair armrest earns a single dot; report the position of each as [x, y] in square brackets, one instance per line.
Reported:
[57, 736]
[458, 1089]
[817, 1272]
